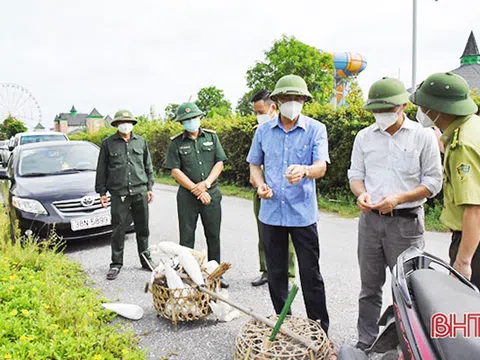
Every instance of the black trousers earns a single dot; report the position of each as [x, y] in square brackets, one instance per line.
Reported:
[456, 238]
[305, 241]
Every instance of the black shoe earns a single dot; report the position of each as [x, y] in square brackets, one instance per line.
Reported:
[223, 283]
[362, 346]
[261, 280]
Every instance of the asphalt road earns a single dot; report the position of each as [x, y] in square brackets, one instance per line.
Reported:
[207, 339]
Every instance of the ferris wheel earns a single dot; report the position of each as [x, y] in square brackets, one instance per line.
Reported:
[19, 103]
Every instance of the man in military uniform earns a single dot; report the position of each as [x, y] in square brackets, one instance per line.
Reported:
[125, 170]
[266, 110]
[195, 158]
[444, 101]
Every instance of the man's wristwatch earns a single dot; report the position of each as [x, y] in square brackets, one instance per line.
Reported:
[207, 184]
[306, 171]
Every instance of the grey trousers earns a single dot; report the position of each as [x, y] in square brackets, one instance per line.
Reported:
[381, 239]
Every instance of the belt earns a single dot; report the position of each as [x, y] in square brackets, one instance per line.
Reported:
[409, 212]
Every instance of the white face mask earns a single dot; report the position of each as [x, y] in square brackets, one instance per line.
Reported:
[291, 109]
[386, 119]
[263, 118]
[125, 128]
[424, 119]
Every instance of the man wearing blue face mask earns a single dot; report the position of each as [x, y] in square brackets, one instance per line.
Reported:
[395, 166]
[195, 158]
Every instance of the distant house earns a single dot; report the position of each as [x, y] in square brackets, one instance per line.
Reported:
[39, 127]
[74, 122]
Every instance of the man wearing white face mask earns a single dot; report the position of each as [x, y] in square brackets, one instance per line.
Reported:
[125, 170]
[293, 150]
[265, 110]
[395, 166]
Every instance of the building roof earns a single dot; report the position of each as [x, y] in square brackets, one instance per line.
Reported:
[95, 114]
[74, 120]
[471, 49]
[39, 126]
[108, 119]
[471, 73]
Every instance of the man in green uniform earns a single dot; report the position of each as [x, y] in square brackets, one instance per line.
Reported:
[195, 158]
[444, 101]
[125, 170]
[266, 110]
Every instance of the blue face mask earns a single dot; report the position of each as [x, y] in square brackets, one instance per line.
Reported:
[191, 125]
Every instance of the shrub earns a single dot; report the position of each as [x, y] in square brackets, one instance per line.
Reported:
[47, 311]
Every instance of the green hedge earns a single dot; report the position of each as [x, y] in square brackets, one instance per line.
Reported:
[236, 134]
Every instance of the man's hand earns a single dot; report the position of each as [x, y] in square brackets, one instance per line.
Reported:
[264, 192]
[364, 202]
[104, 201]
[199, 188]
[295, 173]
[150, 196]
[463, 268]
[387, 204]
[205, 198]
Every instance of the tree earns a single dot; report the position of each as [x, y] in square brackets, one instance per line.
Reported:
[171, 111]
[291, 56]
[11, 127]
[211, 97]
[244, 106]
[355, 94]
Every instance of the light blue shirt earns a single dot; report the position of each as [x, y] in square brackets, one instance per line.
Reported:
[277, 149]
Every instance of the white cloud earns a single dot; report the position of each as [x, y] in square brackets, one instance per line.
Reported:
[117, 54]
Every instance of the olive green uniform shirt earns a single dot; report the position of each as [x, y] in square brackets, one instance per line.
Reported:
[124, 168]
[461, 181]
[195, 158]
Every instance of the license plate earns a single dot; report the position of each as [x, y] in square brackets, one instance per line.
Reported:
[90, 222]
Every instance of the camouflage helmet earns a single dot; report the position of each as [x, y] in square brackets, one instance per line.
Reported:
[188, 111]
[291, 85]
[123, 115]
[447, 93]
[386, 93]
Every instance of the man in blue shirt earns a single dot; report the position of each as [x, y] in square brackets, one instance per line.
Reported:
[293, 150]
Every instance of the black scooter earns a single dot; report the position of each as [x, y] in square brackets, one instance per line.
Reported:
[435, 314]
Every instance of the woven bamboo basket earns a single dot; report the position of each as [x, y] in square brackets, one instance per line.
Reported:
[181, 305]
[252, 343]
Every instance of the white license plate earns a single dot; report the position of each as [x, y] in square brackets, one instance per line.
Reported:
[90, 222]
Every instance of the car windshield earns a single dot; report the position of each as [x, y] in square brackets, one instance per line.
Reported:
[29, 139]
[57, 160]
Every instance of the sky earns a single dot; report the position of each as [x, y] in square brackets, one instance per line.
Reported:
[133, 54]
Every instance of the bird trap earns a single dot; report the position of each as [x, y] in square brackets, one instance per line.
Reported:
[253, 342]
[188, 304]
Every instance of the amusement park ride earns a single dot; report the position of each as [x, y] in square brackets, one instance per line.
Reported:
[19, 103]
[347, 65]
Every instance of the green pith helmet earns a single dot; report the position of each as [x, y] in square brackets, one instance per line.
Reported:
[386, 94]
[123, 115]
[447, 93]
[188, 111]
[291, 85]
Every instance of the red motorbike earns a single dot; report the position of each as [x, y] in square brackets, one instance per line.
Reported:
[435, 314]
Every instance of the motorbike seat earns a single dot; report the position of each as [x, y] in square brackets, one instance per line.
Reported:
[436, 292]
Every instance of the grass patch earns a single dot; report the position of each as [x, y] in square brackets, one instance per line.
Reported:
[342, 205]
[227, 189]
[48, 310]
